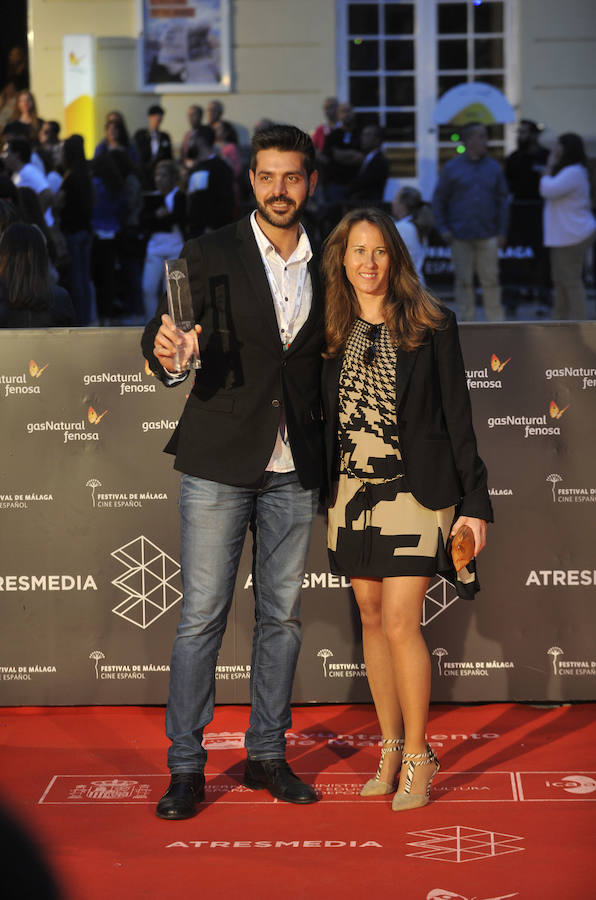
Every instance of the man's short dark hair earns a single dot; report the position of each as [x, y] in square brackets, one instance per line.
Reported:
[21, 147]
[287, 139]
[155, 110]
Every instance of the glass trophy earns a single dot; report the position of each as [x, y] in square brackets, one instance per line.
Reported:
[181, 312]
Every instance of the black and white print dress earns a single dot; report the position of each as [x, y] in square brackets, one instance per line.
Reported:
[376, 526]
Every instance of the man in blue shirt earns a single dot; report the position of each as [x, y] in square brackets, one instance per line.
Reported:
[470, 208]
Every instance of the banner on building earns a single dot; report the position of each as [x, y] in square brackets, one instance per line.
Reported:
[79, 75]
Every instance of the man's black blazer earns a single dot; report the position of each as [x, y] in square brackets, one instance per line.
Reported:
[229, 426]
[148, 161]
[434, 425]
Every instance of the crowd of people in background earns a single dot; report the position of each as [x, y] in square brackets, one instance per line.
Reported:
[110, 215]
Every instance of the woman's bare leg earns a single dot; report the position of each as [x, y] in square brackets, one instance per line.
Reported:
[379, 667]
[402, 600]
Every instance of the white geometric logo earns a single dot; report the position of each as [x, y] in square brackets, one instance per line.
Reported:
[439, 596]
[459, 844]
[147, 582]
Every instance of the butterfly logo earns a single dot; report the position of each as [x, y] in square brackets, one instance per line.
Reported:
[95, 417]
[34, 369]
[554, 411]
[496, 364]
[148, 370]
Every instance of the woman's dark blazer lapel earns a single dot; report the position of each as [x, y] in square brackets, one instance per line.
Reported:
[403, 371]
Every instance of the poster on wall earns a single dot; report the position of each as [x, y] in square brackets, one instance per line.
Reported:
[184, 45]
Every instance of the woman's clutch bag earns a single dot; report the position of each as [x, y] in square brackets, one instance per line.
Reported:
[462, 547]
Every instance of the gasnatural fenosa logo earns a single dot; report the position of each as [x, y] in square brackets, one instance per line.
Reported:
[483, 379]
[17, 384]
[34, 370]
[94, 417]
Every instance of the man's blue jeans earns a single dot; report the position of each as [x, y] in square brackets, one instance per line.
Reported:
[214, 519]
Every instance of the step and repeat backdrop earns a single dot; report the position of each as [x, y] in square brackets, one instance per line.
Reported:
[89, 575]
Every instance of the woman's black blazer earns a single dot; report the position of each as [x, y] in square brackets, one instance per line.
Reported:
[434, 425]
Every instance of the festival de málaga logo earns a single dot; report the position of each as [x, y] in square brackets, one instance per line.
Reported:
[569, 494]
[340, 669]
[110, 499]
[482, 667]
[578, 667]
[17, 384]
[127, 671]
[480, 379]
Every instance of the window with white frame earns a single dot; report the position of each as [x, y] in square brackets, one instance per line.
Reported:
[397, 57]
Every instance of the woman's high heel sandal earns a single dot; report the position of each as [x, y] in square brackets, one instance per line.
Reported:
[405, 799]
[374, 786]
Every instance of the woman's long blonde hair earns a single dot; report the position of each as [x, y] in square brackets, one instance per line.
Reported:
[409, 311]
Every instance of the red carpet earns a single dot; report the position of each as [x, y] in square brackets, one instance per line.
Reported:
[513, 812]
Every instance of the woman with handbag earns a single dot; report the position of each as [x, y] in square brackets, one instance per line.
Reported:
[403, 472]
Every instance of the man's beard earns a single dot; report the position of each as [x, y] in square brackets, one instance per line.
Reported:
[281, 220]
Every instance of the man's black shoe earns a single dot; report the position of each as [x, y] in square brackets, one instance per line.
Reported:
[180, 800]
[276, 776]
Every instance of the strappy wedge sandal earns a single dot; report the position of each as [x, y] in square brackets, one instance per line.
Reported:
[374, 786]
[405, 799]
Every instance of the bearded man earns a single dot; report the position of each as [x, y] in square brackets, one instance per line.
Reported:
[249, 447]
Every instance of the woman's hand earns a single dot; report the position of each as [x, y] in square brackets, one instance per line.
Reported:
[478, 527]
